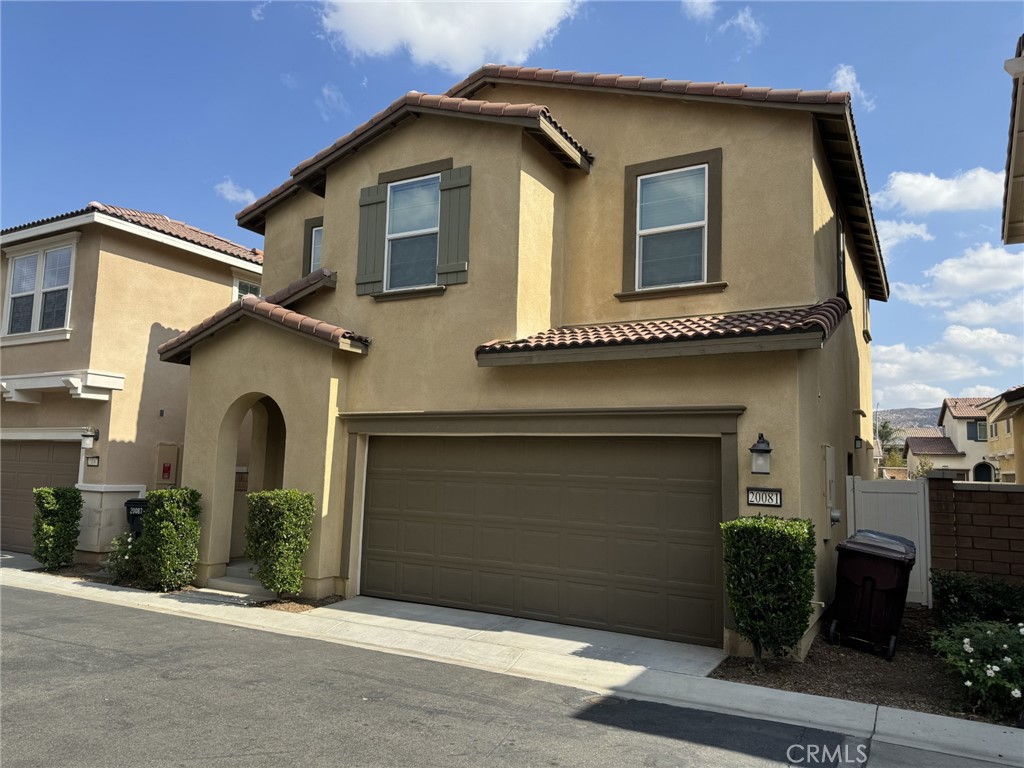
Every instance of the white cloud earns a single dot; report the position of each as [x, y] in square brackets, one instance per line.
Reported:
[331, 102]
[844, 78]
[892, 233]
[257, 11]
[700, 10]
[745, 22]
[910, 395]
[981, 390]
[973, 190]
[456, 36]
[980, 312]
[289, 81]
[1004, 349]
[899, 363]
[233, 193]
[983, 270]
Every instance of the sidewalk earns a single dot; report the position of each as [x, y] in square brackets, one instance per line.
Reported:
[604, 662]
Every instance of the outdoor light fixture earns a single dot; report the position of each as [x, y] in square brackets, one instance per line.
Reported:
[761, 456]
[89, 438]
[858, 442]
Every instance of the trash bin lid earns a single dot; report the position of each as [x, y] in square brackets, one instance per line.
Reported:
[887, 545]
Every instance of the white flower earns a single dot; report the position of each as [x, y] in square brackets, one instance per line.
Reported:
[1007, 660]
[967, 641]
[968, 683]
[1015, 693]
[990, 673]
[1005, 646]
[1021, 630]
[988, 632]
[995, 668]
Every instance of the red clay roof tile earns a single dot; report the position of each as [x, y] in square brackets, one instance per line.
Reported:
[964, 407]
[931, 446]
[824, 318]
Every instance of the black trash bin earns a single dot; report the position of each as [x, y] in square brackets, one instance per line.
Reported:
[133, 509]
[872, 576]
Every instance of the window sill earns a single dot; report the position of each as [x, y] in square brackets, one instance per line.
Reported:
[409, 293]
[35, 337]
[675, 290]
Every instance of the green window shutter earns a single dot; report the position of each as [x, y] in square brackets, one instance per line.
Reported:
[972, 430]
[453, 238]
[373, 205]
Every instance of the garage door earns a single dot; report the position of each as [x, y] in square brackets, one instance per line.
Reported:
[24, 466]
[613, 533]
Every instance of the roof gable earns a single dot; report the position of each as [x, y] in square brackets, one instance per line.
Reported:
[962, 408]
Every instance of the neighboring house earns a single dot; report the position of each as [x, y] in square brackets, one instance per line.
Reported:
[1013, 191]
[899, 436]
[88, 297]
[587, 295]
[1006, 434]
[940, 452]
[964, 445]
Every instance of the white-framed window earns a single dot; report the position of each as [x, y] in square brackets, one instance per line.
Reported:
[671, 231]
[39, 279]
[413, 217]
[243, 287]
[993, 430]
[316, 241]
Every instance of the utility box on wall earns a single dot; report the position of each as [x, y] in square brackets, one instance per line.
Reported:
[167, 465]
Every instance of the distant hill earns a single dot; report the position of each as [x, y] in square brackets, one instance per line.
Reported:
[910, 417]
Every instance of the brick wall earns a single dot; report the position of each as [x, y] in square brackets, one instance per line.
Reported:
[976, 527]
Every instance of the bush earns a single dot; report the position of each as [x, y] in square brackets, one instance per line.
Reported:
[277, 536]
[989, 657]
[165, 554]
[769, 573]
[960, 597]
[56, 525]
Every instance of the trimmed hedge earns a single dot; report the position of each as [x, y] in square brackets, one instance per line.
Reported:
[56, 525]
[165, 554]
[965, 597]
[769, 574]
[277, 537]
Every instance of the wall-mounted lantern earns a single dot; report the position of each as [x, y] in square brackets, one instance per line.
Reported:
[761, 456]
[858, 442]
[89, 439]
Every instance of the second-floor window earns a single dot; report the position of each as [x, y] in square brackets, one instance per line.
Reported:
[39, 289]
[244, 287]
[671, 222]
[977, 431]
[413, 217]
[312, 247]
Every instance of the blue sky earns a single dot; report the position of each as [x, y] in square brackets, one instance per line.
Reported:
[191, 109]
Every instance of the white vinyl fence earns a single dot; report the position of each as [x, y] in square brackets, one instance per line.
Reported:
[899, 507]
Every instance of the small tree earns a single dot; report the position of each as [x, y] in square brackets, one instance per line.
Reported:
[924, 466]
[769, 573]
[56, 525]
[894, 458]
[277, 537]
[886, 436]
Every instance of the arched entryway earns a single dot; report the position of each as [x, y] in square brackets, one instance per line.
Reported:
[982, 473]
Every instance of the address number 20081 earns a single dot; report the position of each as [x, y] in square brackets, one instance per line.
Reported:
[764, 497]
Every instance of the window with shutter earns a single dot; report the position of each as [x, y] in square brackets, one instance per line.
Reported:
[414, 231]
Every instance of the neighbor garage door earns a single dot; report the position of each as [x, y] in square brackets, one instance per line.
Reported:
[24, 466]
[613, 533]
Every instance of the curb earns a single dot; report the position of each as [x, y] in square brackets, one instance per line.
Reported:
[917, 730]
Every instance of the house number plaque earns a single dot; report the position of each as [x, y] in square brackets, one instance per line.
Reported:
[764, 497]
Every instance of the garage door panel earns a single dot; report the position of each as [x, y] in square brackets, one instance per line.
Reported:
[614, 533]
[496, 591]
[29, 464]
[538, 597]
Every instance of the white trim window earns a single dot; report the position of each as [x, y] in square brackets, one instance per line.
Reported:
[671, 232]
[39, 279]
[413, 218]
[316, 242]
[244, 287]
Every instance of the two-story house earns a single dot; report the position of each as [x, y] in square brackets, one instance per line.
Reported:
[523, 338]
[88, 297]
[1005, 414]
[963, 445]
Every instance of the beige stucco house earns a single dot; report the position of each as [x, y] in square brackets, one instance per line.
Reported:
[1006, 433]
[1013, 191]
[88, 297]
[521, 336]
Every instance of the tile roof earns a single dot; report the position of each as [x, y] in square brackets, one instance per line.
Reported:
[963, 407]
[178, 349]
[645, 84]
[824, 318]
[314, 281]
[931, 446]
[159, 223]
[906, 432]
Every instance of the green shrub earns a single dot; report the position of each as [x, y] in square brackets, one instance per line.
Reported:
[277, 536]
[769, 573]
[165, 554]
[989, 658]
[56, 525]
[960, 597]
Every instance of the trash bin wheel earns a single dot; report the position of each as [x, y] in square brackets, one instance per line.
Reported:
[891, 651]
[833, 631]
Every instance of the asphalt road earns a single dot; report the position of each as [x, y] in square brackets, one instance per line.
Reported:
[91, 684]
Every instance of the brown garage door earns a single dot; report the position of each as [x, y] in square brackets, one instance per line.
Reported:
[24, 466]
[613, 533]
